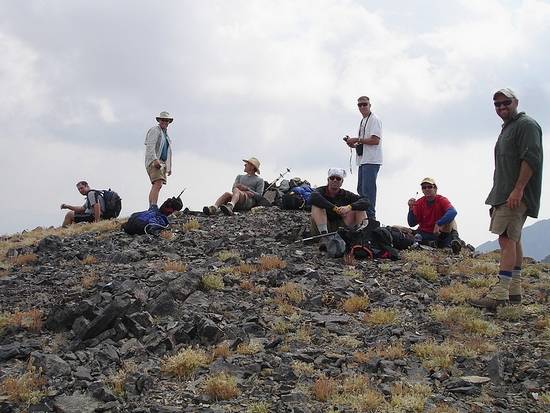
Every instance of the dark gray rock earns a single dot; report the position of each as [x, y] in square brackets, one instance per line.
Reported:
[495, 368]
[105, 318]
[163, 304]
[208, 332]
[51, 364]
[76, 403]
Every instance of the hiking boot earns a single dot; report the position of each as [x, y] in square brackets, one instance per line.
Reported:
[227, 209]
[515, 289]
[210, 210]
[456, 246]
[488, 303]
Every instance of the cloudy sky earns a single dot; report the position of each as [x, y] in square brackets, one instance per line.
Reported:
[82, 82]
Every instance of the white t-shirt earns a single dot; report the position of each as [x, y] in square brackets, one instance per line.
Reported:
[370, 125]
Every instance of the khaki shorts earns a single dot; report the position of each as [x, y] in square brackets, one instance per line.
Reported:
[156, 174]
[245, 205]
[509, 221]
[332, 226]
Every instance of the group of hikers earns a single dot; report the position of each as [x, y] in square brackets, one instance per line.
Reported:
[517, 183]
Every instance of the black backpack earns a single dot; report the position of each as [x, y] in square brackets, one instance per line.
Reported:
[113, 203]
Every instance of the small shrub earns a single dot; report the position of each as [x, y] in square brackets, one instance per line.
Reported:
[221, 350]
[457, 293]
[191, 225]
[323, 388]
[249, 348]
[89, 260]
[542, 323]
[25, 259]
[351, 272]
[212, 281]
[285, 309]
[380, 317]
[545, 398]
[30, 320]
[355, 303]
[510, 313]
[271, 262]
[25, 389]
[481, 282]
[417, 257]
[280, 326]
[117, 380]
[290, 292]
[303, 334]
[221, 386]
[531, 271]
[89, 280]
[177, 266]
[409, 398]
[303, 369]
[226, 255]
[394, 351]
[348, 342]
[443, 408]
[245, 268]
[427, 272]
[259, 407]
[166, 235]
[466, 319]
[184, 363]
[435, 355]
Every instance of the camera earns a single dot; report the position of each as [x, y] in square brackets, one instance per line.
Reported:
[346, 137]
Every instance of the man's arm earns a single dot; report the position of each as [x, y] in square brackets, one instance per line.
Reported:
[515, 197]
[318, 200]
[150, 146]
[77, 209]
[371, 140]
[97, 212]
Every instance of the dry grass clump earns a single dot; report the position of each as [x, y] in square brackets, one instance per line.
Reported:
[323, 388]
[466, 319]
[27, 388]
[481, 282]
[212, 281]
[89, 260]
[259, 407]
[475, 267]
[166, 235]
[25, 259]
[542, 323]
[116, 381]
[409, 397]
[221, 386]
[29, 320]
[417, 257]
[381, 317]
[249, 348]
[351, 272]
[290, 292]
[303, 369]
[221, 350]
[246, 268]
[271, 262]
[177, 266]
[428, 272]
[435, 355]
[348, 342]
[89, 280]
[284, 308]
[226, 255]
[250, 286]
[531, 271]
[355, 303]
[394, 351]
[545, 398]
[303, 334]
[510, 313]
[184, 363]
[443, 408]
[457, 293]
[281, 326]
[191, 225]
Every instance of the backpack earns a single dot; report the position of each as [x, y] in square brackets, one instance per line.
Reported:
[370, 242]
[146, 222]
[113, 203]
[401, 239]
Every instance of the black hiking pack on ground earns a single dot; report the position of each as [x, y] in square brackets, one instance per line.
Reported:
[401, 240]
[370, 242]
[113, 203]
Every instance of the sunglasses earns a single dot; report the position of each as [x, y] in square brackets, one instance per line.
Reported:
[334, 178]
[362, 104]
[427, 186]
[504, 102]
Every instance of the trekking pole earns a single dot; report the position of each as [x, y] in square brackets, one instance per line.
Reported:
[281, 175]
[186, 188]
[317, 236]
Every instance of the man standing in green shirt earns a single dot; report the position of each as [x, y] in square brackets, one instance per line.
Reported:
[517, 183]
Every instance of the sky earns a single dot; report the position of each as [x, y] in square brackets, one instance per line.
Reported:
[83, 81]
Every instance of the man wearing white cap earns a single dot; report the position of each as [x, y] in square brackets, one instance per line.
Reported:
[246, 192]
[517, 186]
[333, 207]
[158, 155]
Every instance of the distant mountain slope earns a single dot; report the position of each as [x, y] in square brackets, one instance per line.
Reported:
[535, 240]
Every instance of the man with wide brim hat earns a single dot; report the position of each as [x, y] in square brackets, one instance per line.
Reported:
[247, 191]
[158, 155]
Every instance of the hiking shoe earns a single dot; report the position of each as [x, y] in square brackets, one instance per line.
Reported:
[456, 246]
[488, 303]
[515, 299]
[227, 209]
[210, 210]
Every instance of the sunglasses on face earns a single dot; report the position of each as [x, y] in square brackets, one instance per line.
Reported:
[362, 104]
[427, 186]
[504, 102]
[335, 178]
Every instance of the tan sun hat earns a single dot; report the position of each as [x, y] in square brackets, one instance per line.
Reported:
[164, 115]
[428, 181]
[254, 162]
[509, 93]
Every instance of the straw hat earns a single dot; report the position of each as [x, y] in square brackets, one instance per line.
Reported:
[254, 162]
[165, 115]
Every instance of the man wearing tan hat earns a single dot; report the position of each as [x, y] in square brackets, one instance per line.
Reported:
[435, 217]
[517, 186]
[158, 155]
[247, 190]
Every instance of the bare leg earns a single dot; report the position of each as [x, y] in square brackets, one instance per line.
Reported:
[237, 196]
[508, 253]
[154, 193]
[224, 199]
[519, 254]
[69, 219]
[354, 218]
[319, 215]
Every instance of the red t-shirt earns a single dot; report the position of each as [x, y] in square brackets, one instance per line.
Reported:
[426, 214]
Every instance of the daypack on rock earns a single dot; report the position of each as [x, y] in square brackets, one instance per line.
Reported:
[401, 240]
[369, 242]
[150, 222]
[113, 203]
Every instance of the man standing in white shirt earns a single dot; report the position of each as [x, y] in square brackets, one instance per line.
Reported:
[368, 145]
[158, 155]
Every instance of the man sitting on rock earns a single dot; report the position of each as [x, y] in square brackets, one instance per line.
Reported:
[333, 207]
[91, 211]
[435, 217]
[247, 191]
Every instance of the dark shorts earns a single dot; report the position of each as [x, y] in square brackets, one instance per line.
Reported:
[84, 218]
[245, 205]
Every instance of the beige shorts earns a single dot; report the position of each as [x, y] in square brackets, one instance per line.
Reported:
[509, 221]
[245, 205]
[156, 174]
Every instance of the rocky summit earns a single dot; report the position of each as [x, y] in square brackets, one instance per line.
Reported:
[230, 314]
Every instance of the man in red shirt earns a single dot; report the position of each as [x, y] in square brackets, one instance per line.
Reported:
[435, 217]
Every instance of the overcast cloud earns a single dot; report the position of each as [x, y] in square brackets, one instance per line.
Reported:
[82, 82]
